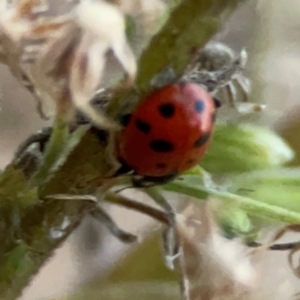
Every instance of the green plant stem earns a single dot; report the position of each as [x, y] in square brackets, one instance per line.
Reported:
[181, 35]
[29, 223]
[190, 25]
[251, 206]
[139, 207]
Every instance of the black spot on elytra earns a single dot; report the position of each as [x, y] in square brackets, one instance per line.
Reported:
[202, 140]
[199, 106]
[143, 126]
[161, 165]
[167, 110]
[217, 102]
[191, 161]
[161, 146]
[125, 119]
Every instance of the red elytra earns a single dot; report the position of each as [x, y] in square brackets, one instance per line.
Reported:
[169, 132]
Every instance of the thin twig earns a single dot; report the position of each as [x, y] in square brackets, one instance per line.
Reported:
[137, 206]
[275, 247]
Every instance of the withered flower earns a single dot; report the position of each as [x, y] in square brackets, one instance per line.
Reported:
[60, 57]
[212, 266]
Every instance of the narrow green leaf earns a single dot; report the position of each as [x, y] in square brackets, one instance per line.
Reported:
[276, 187]
[187, 185]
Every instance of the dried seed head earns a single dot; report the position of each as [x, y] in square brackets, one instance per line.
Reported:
[213, 266]
[62, 56]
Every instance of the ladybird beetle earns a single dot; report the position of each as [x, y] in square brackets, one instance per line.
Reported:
[168, 133]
